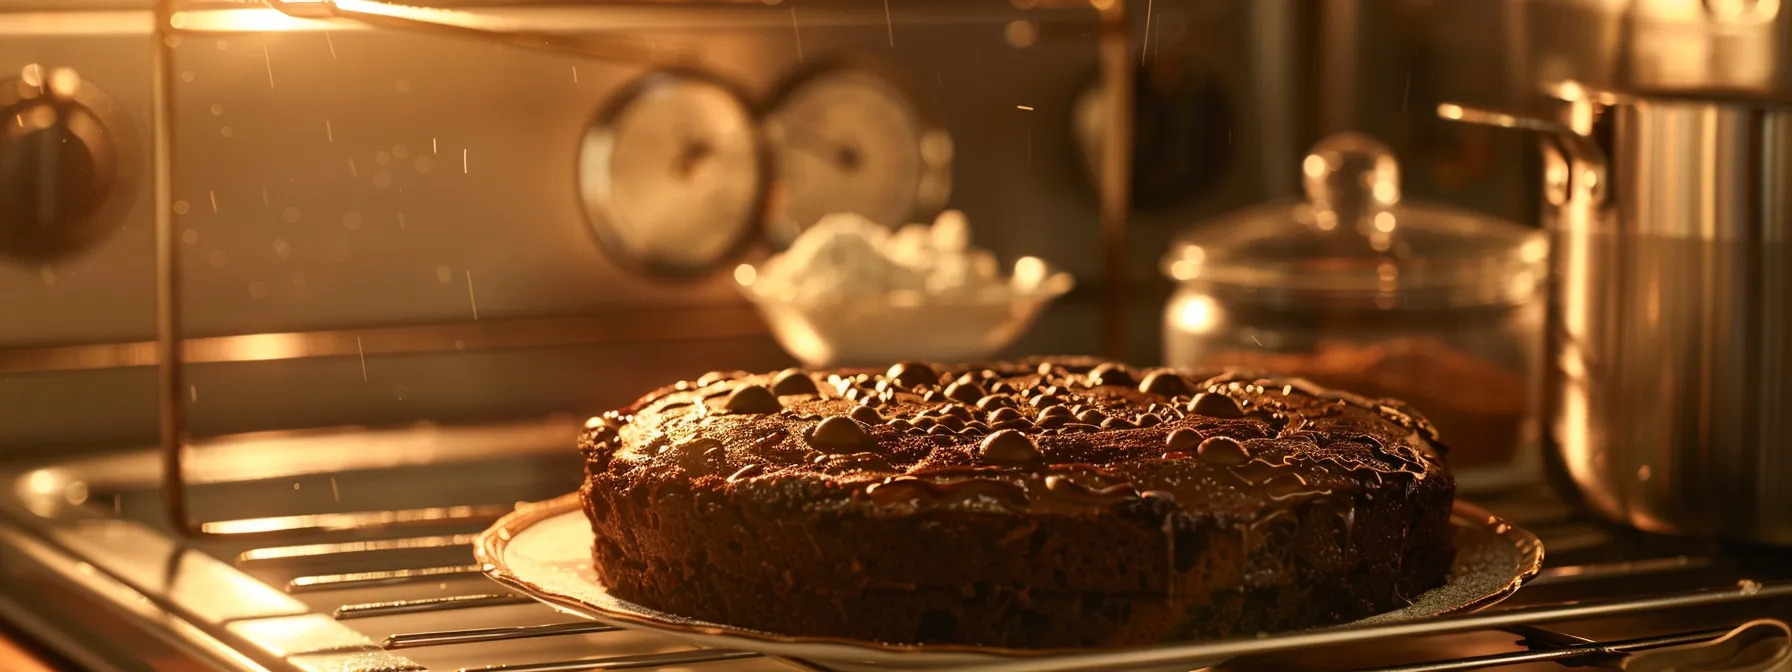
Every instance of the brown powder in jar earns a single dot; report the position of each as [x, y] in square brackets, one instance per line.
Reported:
[1478, 408]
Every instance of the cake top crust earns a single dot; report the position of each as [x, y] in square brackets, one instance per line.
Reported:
[1052, 436]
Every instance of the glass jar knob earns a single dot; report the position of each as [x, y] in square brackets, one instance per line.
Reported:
[1349, 176]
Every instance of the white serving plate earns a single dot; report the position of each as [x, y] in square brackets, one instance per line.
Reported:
[544, 550]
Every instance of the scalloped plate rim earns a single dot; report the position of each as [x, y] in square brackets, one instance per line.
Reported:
[490, 546]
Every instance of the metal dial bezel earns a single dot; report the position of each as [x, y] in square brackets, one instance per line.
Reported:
[933, 188]
[599, 217]
[120, 155]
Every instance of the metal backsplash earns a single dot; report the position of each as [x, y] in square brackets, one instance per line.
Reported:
[395, 216]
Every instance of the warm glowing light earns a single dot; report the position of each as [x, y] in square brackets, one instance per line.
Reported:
[1386, 192]
[262, 347]
[1384, 222]
[746, 275]
[64, 82]
[1313, 166]
[1021, 34]
[1029, 271]
[32, 76]
[244, 20]
[41, 482]
[1197, 314]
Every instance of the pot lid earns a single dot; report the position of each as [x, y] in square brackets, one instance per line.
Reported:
[1353, 237]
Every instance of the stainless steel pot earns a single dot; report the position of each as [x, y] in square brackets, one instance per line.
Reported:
[1667, 386]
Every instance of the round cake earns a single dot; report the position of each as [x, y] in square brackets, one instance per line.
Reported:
[1034, 504]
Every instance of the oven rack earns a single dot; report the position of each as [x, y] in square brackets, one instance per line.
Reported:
[1525, 622]
[1540, 604]
[1539, 644]
[323, 595]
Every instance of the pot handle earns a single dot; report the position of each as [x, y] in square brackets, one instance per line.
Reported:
[1575, 167]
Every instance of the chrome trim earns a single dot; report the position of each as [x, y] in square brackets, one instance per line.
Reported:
[452, 602]
[333, 522]
[323, 582]
[612, 328]
[302, 553]
[621, 662]
[474, 635]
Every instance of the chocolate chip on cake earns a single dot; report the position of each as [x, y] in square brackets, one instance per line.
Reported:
[1008, 447]
[1110, 374]
[1164, 384]
[752, 399]
[837, 434]
[967, 392]
[867, 415]
[794, 381]
[1004, 414]
[1117, 423]
[1182, 440]
[1223, 450]
[913, 374]
[1215, 405]
[992, 402]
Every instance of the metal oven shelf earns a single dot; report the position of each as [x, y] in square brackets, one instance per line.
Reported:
[408, 598]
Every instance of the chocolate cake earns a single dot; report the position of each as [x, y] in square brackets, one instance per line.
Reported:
[1035, 504]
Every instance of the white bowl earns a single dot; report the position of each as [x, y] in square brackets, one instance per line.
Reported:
[868, 330]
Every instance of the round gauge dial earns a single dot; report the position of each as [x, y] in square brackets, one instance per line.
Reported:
[850, 138]
[673, 175]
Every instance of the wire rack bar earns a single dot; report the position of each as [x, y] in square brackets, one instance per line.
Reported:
[391, 577]
[476, 635]
[425, 605]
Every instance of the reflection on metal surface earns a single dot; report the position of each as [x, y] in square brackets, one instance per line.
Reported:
[355, 661]
[149, 561]
[43, 24]
[321, 582]
[1672, 344]
[284, 636]
[241, 20]
[416, 639]
[1573, 573]
[322, 522]
[317, 551]
[666, 325]
[1589, 649]
[643, 661]
[1720, 48]
[371, 609]
[1668, 379]
[454, 22]
[1116, 170]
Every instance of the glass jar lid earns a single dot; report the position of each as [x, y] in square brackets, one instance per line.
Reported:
[1353, 239]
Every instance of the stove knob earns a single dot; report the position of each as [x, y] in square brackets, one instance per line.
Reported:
[59, 166]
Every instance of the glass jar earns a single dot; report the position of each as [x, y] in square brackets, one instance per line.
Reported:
[1354, 289]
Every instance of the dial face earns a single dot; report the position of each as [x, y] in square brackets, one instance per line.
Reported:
[850, 140]
[674, 177]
